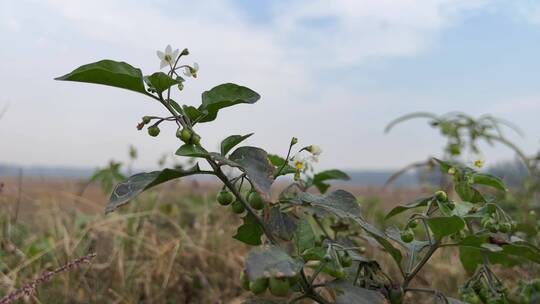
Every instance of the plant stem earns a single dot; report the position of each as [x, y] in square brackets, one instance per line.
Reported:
[421, 264]
[219, 173]
[286, 160]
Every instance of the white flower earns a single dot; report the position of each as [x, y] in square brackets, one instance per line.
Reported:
[479, 163]
[192, 71]
[168, 57]
[298, 162]
[476, 159]
[314, 149]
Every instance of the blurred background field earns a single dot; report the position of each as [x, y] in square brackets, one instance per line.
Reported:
[172, 245]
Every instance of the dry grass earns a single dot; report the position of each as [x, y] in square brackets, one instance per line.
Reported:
[172, 245]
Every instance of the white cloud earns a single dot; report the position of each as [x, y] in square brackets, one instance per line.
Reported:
[345, 32]
[280, 59]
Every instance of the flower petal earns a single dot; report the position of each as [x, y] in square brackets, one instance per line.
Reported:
[168, 49]
[163, 64]
[160, 54]
[187, 72]
[175, 54]
[195, 66]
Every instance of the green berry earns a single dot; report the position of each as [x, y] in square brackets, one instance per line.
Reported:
[505, 227]
[279, 287]
[225, 197]
[153, 131]
[441, 196]
[407, 236]
[484, 221]
[412, 224]
[195, 139]
[258, 286]
[244, 282]
[255, 200]
[184, 135]
[237, 207]
[338, 273]
[146, 119]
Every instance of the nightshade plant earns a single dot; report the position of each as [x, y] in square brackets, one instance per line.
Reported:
[309, 245]
[463, 134]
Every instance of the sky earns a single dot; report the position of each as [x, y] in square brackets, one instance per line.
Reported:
[332, 73]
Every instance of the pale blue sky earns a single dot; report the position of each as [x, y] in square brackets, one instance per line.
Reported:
[332, 73]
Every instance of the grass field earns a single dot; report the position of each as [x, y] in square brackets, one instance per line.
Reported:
[171, 245]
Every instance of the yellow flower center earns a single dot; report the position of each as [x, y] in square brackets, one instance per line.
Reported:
[299, 165]
[168, 58]
[479, 163]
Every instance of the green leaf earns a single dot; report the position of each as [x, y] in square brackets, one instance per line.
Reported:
[250, 231]
[110, 73]
[421, 202]
[413, 248]
[160, 81]
[320, 178]
[347, 293]
[135, 184]
[464, 190]
[278, 161]
[192, 151]
[443, 165]
[304, 236]
[445, 225]
[268, 261]
[344, 205]
[489, 180]
[193, 113]
[514, 252]
[469, 253]
[254, 162]
[340, 202]
[222, 160]
[225, 95]
[314, 254]
[467, 193]
[230, 142]
[281, 224]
